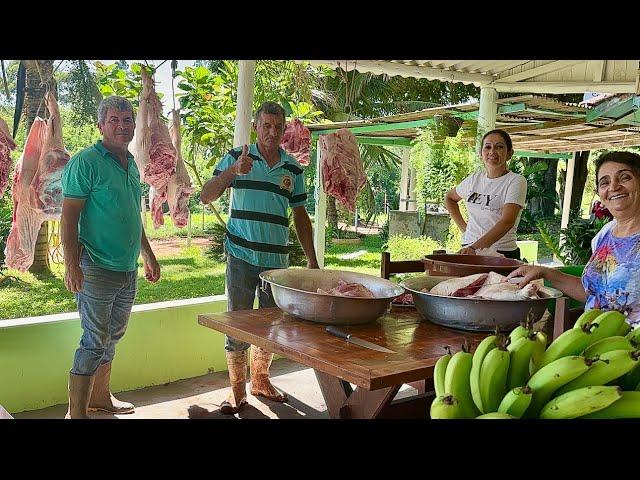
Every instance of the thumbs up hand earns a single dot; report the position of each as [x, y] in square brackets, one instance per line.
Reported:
[243, 164]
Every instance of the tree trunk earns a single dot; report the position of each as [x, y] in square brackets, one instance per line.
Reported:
[332, 212]
[550, 178]
[37, 72]
[579, 179]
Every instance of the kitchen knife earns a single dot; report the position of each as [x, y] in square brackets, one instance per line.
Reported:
[357, 341]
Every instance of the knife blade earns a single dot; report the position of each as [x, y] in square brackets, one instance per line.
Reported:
[356, 341]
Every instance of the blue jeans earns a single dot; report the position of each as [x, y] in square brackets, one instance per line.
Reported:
[241, 282]
[104, 305]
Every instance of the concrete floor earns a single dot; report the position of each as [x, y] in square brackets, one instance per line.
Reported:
[200, 397]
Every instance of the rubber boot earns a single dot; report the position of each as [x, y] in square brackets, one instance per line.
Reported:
[260, 383]
[237, 364]
[101, 397]
[80, 387]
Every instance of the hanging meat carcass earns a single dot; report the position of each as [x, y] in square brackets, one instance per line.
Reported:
[154, 153]
[37, 187]
[342, 170]
[179, 188]
[296, 141]
[7, 144]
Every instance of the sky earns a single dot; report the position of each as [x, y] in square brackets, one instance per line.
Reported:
[162, 78]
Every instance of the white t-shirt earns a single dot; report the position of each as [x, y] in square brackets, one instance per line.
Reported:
[485, 198]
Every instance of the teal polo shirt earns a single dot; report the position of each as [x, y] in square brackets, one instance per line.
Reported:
[110, 227]
[258, 228]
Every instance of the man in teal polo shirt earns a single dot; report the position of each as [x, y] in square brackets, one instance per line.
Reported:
[266, 182]
[103, 236]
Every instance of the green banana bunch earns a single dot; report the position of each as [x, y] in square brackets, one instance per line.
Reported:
[634, 335]
[553, 376]
[587, 317]
[582, 401]
[628, 406]
[624, 329]
[516, 401]
[493, 375]
[520, 354]
[606, 345]
[630, 380]
[494, 416]
[456, 381]
[538, 351]
[608, 325]
[608, 367]
[518, 332]
[439, 372]
[571, 342]
[445, 407]
[484, 347]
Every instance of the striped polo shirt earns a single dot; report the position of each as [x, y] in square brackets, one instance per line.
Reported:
[258, 229]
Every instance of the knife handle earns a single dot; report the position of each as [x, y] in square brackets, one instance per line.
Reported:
[337, 332]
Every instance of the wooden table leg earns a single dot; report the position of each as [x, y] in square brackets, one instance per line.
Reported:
[360, 403]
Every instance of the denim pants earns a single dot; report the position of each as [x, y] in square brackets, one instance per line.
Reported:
[242, 280]
[104, 305]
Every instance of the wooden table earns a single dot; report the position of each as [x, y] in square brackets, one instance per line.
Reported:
[378, 376]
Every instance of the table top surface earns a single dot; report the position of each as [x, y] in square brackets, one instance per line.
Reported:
[418, 343]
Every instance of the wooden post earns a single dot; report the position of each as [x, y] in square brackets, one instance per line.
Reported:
[568, 189]
[321, 212]
[486, 114]
[244, 108]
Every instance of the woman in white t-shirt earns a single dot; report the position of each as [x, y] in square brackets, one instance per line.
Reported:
[494, 198]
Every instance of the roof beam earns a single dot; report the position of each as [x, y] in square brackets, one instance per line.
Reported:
[550, 67]
[564, 87]
[379, 67]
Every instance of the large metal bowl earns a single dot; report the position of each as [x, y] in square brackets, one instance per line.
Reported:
[294, 291]
[475, 314]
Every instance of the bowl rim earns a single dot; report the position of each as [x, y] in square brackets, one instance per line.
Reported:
[397, 286]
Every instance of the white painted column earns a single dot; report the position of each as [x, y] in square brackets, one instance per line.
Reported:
[568, 189]
[405, 180]
[486, 114]
[321, 212]
[244, 108]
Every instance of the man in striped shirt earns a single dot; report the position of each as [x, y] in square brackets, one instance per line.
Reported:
[266, 181]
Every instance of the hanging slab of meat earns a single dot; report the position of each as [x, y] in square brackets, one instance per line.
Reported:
[342, 171]
[46, 186]
[179, 188]
[36, 189]
[460, 287]
[7, 144]
[154, 153]
[296, 141]
[156, 199]
[344, 289]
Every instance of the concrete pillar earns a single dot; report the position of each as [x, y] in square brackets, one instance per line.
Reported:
[320, 218]
[568, 189]
[244, 108]
[405, 180]
[486, 114]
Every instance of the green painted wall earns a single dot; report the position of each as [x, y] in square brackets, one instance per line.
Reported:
[161, 345]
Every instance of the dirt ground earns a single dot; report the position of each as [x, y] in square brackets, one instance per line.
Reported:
[173, 246]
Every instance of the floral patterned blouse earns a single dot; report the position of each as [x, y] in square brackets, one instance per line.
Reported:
[612, 276]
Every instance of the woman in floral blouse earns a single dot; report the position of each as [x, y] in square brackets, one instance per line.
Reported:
[611, 279]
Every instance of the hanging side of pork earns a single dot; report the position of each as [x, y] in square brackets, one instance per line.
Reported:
[342, 170]
[156, 199]
[296, 141]
[7, 144]
[345, 289]
[36, 189]
[179, 188]
[154, 153]
[46, 186]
